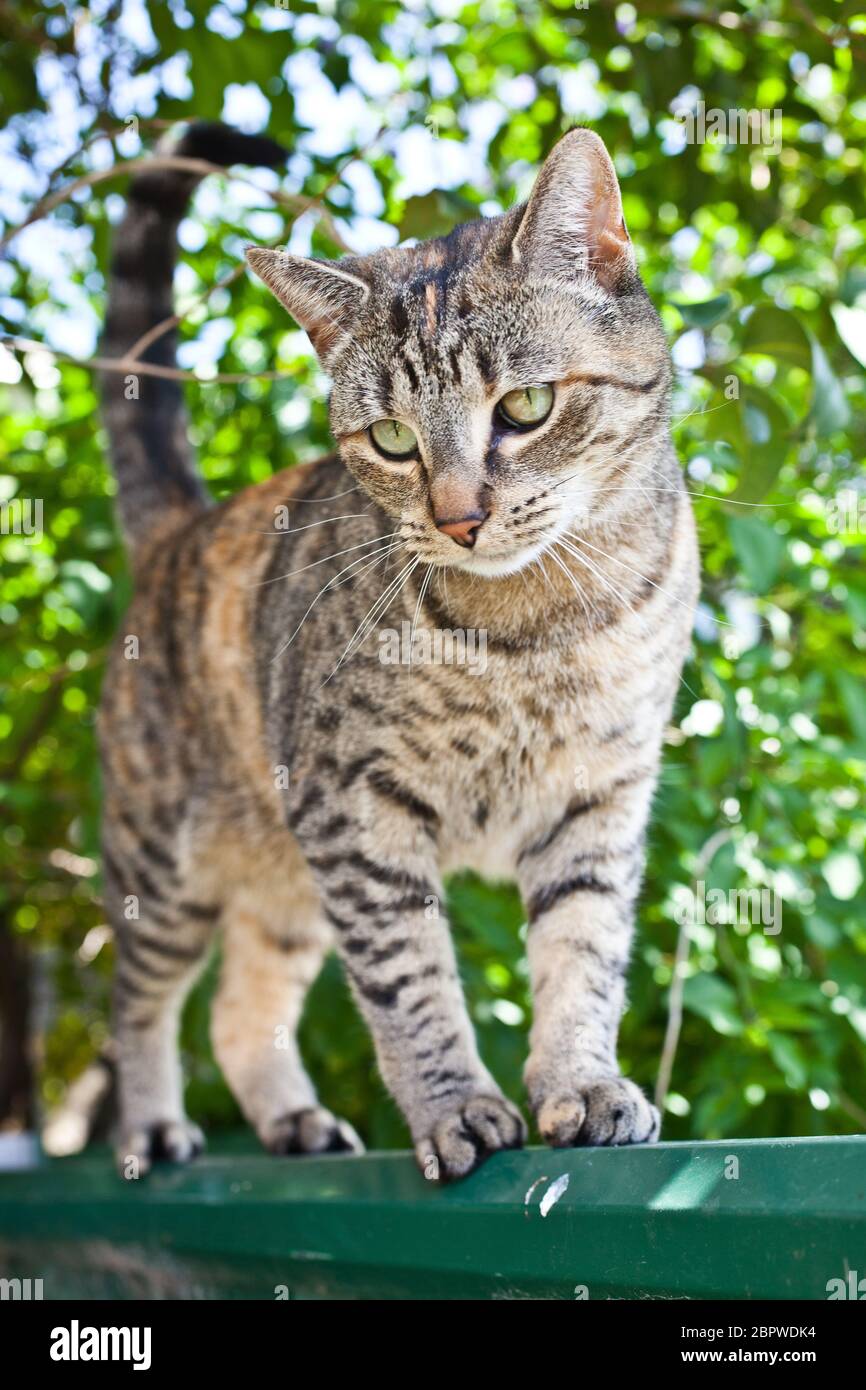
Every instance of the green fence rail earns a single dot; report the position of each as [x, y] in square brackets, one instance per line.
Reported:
[776, 1219]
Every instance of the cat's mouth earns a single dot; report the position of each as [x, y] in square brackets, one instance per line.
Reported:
[501, 553]
[497, 560]
[505, 543]
[498, 563]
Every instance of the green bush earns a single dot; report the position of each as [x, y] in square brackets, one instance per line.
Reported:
[755, 258]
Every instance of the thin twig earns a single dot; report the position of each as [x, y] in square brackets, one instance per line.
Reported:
[312, 204]
[158, 330]
[104, 131]
[857, 1113]
[135, 368]
[678, 979]
[59, 673]
[40, 723]
[295, 203]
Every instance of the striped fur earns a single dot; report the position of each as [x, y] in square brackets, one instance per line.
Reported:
[260, 781]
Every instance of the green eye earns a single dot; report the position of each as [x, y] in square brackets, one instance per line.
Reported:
[527, 406]
[393, 438]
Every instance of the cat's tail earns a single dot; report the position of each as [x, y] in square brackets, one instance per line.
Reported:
[144, 414]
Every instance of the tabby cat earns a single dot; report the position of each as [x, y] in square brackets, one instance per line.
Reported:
[504, 471]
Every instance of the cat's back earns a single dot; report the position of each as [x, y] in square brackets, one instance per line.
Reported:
[180, 685]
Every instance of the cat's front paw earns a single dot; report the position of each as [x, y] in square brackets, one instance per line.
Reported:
[313, 1130]
[462, 1139]
[175, 1141]
[609, 1111]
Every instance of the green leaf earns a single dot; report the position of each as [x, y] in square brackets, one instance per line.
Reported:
[482, 911]
[715, 1000]
[830, 410]
[851, 692]
[778, 333]
[434, 214]
[759, 548]
[705, 313]
[759, 432]
[851, 327]
[853, 284]
[821, 931]
[788, 1056]
[855, 602]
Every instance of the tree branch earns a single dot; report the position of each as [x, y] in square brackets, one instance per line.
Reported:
[293, 202]
[173, 320]
[133, 367]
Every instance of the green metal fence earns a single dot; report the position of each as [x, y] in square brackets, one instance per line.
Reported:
[775, 1219]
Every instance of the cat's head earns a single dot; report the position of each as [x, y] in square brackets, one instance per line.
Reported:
[487, 385]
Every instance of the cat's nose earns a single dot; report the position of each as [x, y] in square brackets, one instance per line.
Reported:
[464, 532]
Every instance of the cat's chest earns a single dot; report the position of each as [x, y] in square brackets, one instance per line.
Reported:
[506, 749]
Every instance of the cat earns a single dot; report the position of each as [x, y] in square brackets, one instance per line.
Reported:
[503, 468]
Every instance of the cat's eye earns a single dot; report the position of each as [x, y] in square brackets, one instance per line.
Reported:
[528, 405]
[393, 438]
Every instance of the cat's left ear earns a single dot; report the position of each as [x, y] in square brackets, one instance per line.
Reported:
[573, 221]
[324, 298]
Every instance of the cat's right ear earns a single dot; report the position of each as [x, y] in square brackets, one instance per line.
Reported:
[322, 297]
[573, 222]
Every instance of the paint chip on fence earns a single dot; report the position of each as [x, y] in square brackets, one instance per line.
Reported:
[553, 1193]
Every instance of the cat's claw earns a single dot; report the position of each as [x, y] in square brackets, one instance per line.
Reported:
[313, 1130]
[174, 1141]
[461, 1140]
[612, 1111]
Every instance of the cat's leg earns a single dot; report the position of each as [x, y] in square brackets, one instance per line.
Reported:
[162, 942]
[272, 953]
[382, 893]
[579, 880]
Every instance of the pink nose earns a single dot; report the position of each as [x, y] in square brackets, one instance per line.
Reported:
[463, 532]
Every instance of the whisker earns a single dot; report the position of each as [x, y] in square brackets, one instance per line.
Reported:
[373, 614]
[359, 559]
[697, 411]
[326, 521]
[543, 567]
[332, 498]
[710, 496]
[421, 592]
[371, 564]
[260, 583]
[733, 502]
[645, 579]
[645, 494]
[593, 570]
[588, 470]
[573, 581]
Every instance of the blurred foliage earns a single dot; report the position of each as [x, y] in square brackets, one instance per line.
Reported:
[755, 257]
